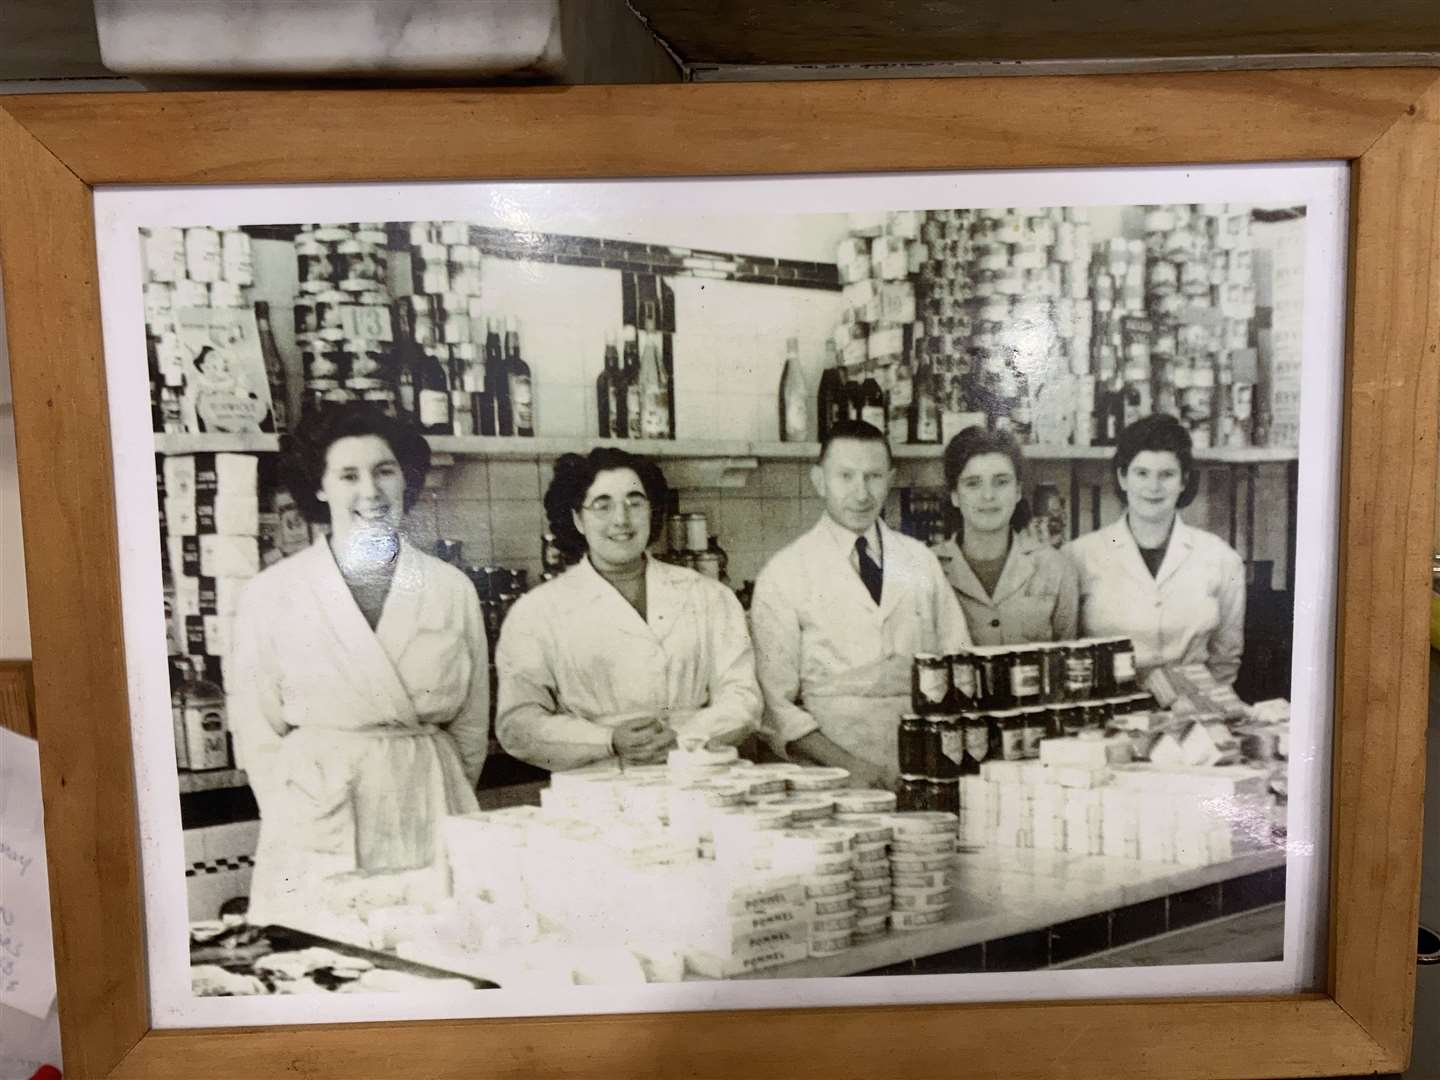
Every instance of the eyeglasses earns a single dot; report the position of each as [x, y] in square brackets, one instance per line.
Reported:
[605, 506]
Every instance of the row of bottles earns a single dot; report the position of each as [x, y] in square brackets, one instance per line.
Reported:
[907, 410]
[481, 388]
[634, 398]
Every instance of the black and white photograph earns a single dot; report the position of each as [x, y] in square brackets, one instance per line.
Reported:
[645, 595]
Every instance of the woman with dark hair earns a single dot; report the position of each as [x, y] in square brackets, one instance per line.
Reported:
[1012, 589]
[1177, 592]
[621, 655]
[358, 684]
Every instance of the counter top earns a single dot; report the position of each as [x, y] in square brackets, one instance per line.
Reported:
[1005, 891]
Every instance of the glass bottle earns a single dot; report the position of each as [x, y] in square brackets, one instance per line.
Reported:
[607, 401]
[654, 386]
[794, 397]
[274, 370]
[832, 405]
[519, 384]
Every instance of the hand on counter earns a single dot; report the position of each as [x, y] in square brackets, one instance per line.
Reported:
[643, 741]
[874, 776]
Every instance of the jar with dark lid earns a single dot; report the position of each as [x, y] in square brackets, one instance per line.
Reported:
[946, 744]
[1025, 675]
[1098, 715]
[1122, 664]
[1073, 719]
[975, 731]
[965, 688]
[1055, 721]
[929, 683]
[993, 664]
[913, 739]
[1080, 670]
[1034, 726]
[1052, 672]
[1012, 734]
[942, 796]
[911, 793]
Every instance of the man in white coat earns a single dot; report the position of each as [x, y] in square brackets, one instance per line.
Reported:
[839, 614]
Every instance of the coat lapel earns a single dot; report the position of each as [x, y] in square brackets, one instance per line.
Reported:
[664, 599]
[1182, 541]
[837, 579]
[358, 653]
[901, 570]
[958, 572]
[1018, 570]
[1121, 547]
[595, 599]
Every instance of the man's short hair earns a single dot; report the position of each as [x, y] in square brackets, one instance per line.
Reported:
[859, 431]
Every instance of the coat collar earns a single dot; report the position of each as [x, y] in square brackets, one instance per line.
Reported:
[664, 599]
[835, 544]
[1121, 541]
[367, 653]
[1019, 568]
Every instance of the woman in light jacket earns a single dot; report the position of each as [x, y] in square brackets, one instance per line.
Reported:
[620, 655]
[1012, 588]
[1177, 592]
[358, 688]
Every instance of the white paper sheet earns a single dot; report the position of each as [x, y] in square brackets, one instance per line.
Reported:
[27, 955]
[27, 1043]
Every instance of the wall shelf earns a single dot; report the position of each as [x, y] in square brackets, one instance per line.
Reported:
[497, 448]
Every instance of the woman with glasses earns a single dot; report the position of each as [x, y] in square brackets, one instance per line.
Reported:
[621, 655]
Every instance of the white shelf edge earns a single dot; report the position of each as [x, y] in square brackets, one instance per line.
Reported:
[543, 448]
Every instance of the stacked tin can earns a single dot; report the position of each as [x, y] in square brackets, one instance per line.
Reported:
[922, 868]
[1003, 298]
[447, 313]
[998, 702]
[877, 262]
[864, 813]
[198, 267]
[1174, 323]
[342, 315]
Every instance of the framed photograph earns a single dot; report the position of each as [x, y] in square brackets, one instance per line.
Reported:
[628, 604]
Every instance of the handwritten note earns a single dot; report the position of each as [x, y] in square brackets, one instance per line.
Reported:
[27, 958]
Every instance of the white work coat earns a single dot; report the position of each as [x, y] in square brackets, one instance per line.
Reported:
[1191, 612]
[828, 657]
[575, 659]
[1036, 598]
[357, 742]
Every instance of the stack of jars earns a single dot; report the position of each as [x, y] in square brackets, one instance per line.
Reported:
[342, 315]
[690, 544]
[998, 702]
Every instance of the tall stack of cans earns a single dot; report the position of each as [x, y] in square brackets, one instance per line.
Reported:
[342, 315]
[1003, 297]
[998, 702]
[922, 861]
[447, 318]
[198, 267]
[1174, 324]
[862, 813]
[878, 309]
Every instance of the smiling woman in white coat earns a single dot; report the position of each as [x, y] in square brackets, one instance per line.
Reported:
[1176, 591]
[621, 656]
[358, 682]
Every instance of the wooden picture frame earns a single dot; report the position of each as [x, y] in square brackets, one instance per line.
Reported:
[1386, 123]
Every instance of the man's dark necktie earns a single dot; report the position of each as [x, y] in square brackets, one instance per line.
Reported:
[870, 572]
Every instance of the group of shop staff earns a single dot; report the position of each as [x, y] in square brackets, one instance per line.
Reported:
[359, 685]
